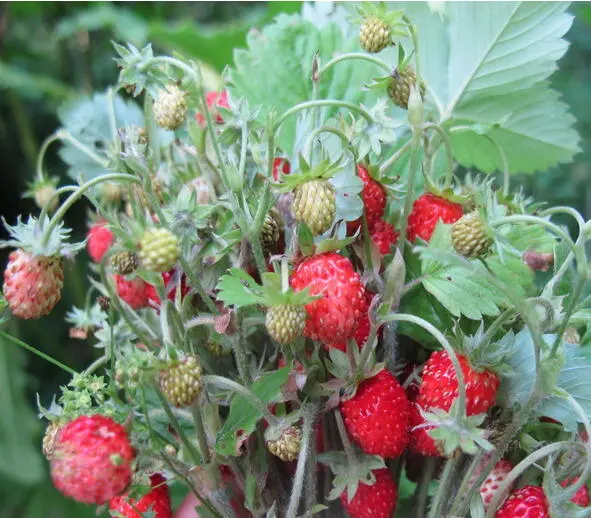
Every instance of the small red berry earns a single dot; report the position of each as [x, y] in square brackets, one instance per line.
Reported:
[495, 478]
[374, 201]
[527, 502]
[377, 416]
[100, 239]
[157, 501]
[281, 166]
[213, 100]
[384, 236]
[133, 291]
[373, 501]
[420, 441]
[334, 317]
[91, 460]
[427, 210]
[170, 288]
[581, 497]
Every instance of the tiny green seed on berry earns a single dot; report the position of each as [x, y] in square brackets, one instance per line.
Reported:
[374, 35]
[181, 381]
[285, 323]
[399, 86]
[469, 236]
[315, 205]
[287, 447]
[170, 108]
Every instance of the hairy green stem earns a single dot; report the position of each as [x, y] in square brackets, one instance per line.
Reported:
[200, 431]
[76, 195]
[422, 489]
[298, 481]
[323, 102]
[396, 156]
[445, 484]
[448, 151]
[97, 364]
[355, 56]
[412, 174]
[54, 137]
[32, 349]
[324, 129]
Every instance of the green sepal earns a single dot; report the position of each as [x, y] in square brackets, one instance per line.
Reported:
[322, 171]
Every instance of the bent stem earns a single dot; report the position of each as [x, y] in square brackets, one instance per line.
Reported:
[445, 484]
[33, 350]
[355, 56]
[200, 431]
[77, 194]
[412, 174]
[447, 143]
[422, 489]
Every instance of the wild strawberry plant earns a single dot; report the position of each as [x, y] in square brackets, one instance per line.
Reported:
[309, 292]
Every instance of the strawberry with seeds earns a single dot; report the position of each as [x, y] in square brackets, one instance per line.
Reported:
[427, 211]
[374, 201]
[157, 501]
[377, 500]
[527, 502]
[100, 239]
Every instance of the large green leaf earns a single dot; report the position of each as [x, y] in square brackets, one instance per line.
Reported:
[485, 65]
[244, 416]
[275, 71]
[32, 86]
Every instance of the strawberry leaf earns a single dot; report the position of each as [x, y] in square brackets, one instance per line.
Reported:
[239, 289]
[243, 416]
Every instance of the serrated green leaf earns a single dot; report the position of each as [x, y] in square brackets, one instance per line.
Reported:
[239, 289]
[243, 415]
[532, 127]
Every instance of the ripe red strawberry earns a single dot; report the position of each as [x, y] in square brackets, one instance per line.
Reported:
[334, 317]
[375, 501]
[157, 501]
[527, 502]
[495, 478]
[384, 236]
[213, 100]
[92, 459]
[377, 416]
[171, 289]
[32, 284]
[281, 166]
[100, 239]
[363, 326]
[133, 291]
[439, 388]
[427, 210]
[374, 201]
[581, 497]
[420, 441]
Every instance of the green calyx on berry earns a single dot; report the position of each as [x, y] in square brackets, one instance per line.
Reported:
[315, 196]
[348, 475]
[159, 250]
[170, 108]
[180, 381]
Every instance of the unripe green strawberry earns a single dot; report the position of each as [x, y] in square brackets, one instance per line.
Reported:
[315, 205]
[124, 263]
[181, 381]
[45, 196]
[170, 108]
[469, 236]
[271, 231]
[159, 250]
[374, 35]
[399, 86]
[287, 447]
[285, 323]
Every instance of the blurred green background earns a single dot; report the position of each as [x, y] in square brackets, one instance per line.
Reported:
[51, 52]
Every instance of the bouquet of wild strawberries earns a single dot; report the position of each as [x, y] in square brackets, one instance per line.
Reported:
[304, 304]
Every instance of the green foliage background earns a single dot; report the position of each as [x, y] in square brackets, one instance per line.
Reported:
[52, 52]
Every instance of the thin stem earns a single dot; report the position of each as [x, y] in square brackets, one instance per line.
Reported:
[388, 163]
[298, 481]
[197, 286]
[64, 135]
[97, 364]
[32, 349]
[495, 327]
[445, 483]
[422, 489]
[447, 143]
[44, 147]
[567, 314]
[356, 56]
[344, 437]
[566, 210]
[412, 173]
[530, 460]
[438, 335]
[246, 393]
[323, 129]
[200, 431]
[57, 194]
[467, 481]
[74, 197]
[415, 42]
[323, 102]
[177, 427]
